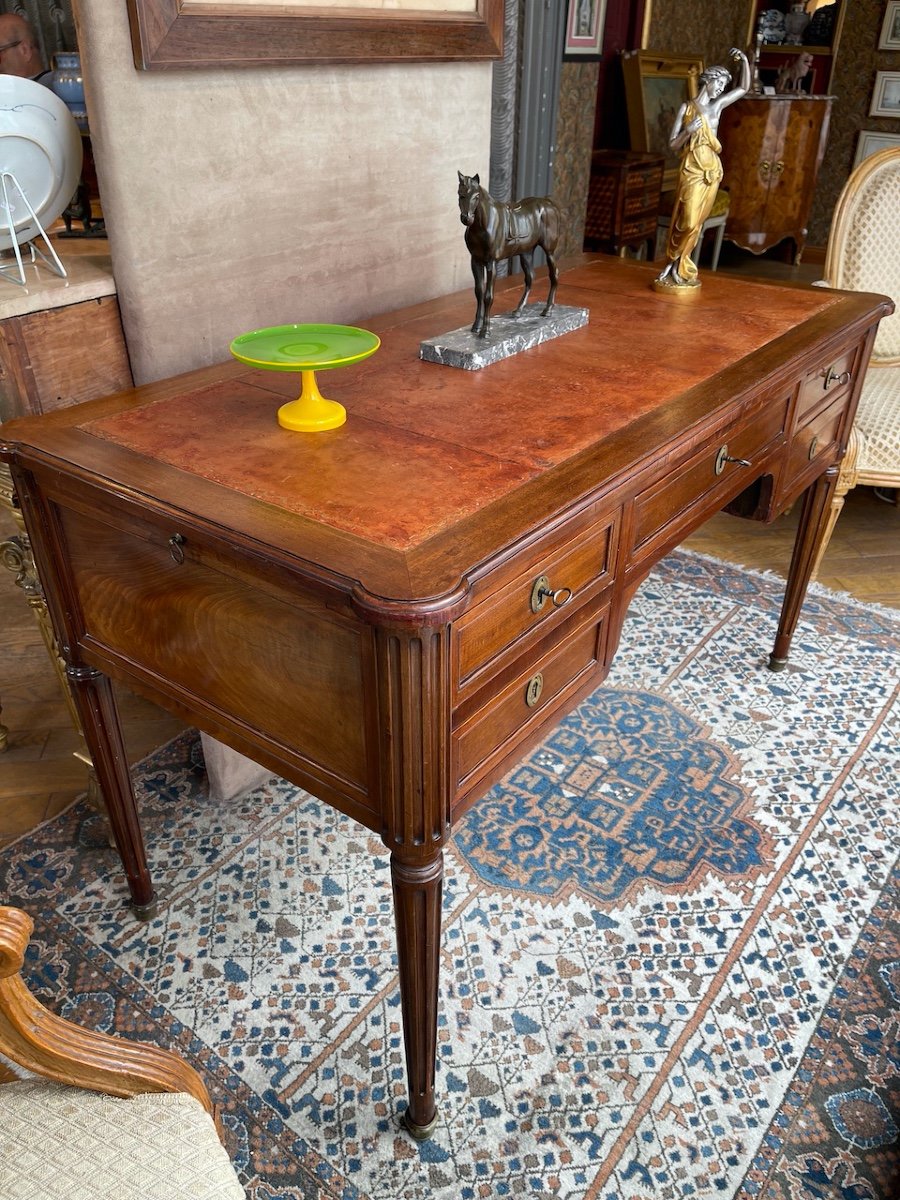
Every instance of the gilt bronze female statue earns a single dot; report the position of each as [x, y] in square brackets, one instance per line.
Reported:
[699, 173]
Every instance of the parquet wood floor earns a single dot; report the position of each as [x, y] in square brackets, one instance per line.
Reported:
[39, 775]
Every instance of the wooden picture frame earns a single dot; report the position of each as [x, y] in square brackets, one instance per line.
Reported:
[171, 34]
[886, 95]
[584, 30]
[873, 140]
[656, 85]
[890, 29]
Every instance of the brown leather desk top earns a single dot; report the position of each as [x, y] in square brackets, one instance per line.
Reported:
[426, 449]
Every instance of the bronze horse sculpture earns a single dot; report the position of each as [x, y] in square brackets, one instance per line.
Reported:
[494, 231]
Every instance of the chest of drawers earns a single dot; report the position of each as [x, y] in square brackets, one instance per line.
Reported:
[623, 200]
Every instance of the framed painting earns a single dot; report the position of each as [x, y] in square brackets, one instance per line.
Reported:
[656, 86]
[886, 96]
[871, 141]
[174, 34]
[584, 30]
[890, 30]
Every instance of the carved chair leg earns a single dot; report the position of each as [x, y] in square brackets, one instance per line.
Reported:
[40, 1041]
[848, 478]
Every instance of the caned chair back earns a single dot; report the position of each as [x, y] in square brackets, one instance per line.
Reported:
[864, 244]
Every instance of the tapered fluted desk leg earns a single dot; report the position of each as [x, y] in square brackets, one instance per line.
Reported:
[99, 715]
[810, 532]
[417, 906]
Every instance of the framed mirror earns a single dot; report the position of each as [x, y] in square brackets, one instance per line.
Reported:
[172, 34]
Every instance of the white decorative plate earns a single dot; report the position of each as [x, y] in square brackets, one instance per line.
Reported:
[41, 146]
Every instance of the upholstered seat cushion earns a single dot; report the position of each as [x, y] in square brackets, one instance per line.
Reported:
[64, 1143]
[878, 420]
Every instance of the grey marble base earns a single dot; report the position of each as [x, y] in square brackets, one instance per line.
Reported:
[509, 335]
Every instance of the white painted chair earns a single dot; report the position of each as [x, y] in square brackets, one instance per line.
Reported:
[864, 256]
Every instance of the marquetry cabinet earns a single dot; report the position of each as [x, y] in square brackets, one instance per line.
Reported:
[772, 148]
[623, 200]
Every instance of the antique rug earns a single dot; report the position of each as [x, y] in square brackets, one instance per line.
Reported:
[671, 964]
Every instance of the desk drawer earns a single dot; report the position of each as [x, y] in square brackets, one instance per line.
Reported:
[824, 384]
[687, 487]
[504, 621]
[544, 681]
[815, 439]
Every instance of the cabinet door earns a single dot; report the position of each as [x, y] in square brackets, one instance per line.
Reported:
[752, 133]
[772, 149]
[793, 172]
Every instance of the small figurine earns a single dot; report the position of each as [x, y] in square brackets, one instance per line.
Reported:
[700, 170]
[791, 76]
[495, 231]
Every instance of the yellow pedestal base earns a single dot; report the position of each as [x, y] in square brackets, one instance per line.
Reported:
[311, 412]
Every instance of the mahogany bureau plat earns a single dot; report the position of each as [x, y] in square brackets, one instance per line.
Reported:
[389, 614]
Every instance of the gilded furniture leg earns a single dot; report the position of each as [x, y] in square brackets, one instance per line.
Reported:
[807, 549]
[848, 478]
[16, 556]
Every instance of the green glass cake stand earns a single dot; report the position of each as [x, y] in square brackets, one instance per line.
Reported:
[307, 349]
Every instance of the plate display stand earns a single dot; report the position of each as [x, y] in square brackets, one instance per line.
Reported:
[16, 274]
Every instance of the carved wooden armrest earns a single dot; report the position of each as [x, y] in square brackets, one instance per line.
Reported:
[38, 1040]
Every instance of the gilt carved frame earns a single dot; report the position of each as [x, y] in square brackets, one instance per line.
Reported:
[174, 34]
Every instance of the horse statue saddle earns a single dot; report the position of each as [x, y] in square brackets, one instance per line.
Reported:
[519, 224]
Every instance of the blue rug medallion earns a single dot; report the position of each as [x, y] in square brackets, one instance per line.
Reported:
[626, 791]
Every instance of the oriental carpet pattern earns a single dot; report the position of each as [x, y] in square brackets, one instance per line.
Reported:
[670, 967]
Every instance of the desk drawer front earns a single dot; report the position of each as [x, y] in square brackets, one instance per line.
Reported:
[495, 626]
[688, 486]
[814, 440]
[825, 384]
[287, 668]
[543, 682]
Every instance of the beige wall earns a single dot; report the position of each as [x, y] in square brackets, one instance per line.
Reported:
[244, 198]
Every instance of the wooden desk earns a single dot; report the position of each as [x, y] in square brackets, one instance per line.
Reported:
[391, 613]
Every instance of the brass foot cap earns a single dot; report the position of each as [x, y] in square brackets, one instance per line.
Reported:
[420, 1132]
[777, 664]
[146, 912]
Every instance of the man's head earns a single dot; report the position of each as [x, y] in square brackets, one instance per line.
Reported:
[19, 54]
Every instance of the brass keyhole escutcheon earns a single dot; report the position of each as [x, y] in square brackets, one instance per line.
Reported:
[176, 547]
[541, 591]
[534, 689]
[813, 447]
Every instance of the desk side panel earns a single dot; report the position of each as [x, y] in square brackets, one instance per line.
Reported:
[284, 673]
